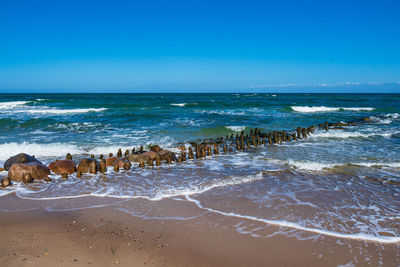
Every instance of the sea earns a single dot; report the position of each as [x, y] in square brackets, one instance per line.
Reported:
[342, 183]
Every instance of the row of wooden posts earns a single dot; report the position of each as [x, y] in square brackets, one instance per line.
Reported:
[209, 147]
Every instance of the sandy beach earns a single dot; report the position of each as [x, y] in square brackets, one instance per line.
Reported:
[107, 236]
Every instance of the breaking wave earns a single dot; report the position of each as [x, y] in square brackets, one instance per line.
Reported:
[12, 104]
[309, 109]
[236, 128]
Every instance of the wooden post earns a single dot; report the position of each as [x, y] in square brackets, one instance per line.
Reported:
[191, 156]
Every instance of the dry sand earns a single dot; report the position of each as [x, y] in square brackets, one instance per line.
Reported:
[105, 236]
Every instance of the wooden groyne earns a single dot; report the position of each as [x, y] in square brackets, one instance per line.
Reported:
[26, 168]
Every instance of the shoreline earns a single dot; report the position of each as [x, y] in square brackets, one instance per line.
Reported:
[105, 236]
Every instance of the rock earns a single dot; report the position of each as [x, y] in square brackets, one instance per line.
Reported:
[127, 166]
[155, 148]
[35, 169]
[27, 178]
[63, 166]
[152, 155]
[88, 165]
[145, 156]
[78, 174]
[158, 160]
[367, 119]
[122, 163]
[111, 161]
[150, 163]
[135, 158]
[20, 158]
[141, 163]
[5, 182]
[165, 154]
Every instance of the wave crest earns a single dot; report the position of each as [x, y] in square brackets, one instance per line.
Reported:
[12, 104]
[311, 109]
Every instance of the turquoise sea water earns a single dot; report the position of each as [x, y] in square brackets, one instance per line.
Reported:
[342, 182]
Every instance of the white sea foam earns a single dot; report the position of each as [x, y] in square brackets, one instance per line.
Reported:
[12, 104]
[222, 112]
[309, 109]
[310, 165]
[385, 118]
[39, 150]
[179, 104]
[381, 120]
[319, 166]
[78, 125]
[345, 134]
[51, 111]
[392, 115]
[63, 111]
[236, 128]
[293, 225]
[160, 195]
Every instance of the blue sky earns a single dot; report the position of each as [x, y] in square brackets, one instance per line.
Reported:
[198, 46]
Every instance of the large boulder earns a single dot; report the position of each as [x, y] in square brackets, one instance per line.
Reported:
[155, 148]
[88, 165]
[139, 157]
[63, 166]
[164, 154]
[149, 154]
[110, 161]
[20, 158]
[123, 163]
[35, 169]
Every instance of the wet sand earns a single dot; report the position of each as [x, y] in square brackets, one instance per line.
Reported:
[106, 236]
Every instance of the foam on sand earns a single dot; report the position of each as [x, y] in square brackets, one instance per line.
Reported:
[320, 166]
[297, 226]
